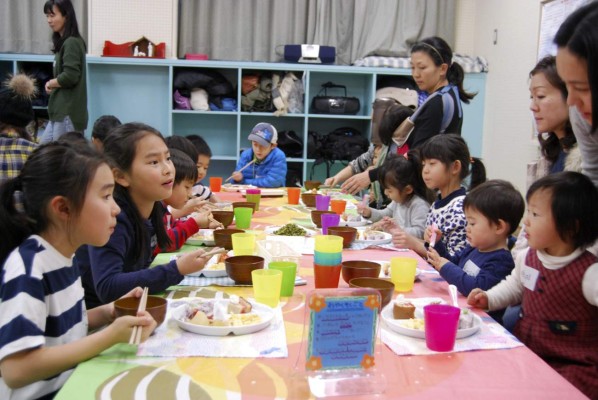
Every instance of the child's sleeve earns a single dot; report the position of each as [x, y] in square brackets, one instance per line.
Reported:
[453, 231]
[417, 214]
[377, 215]
[589, 285]
[201, 191]
[22, 309]
[112, 279]
[509, 291]
[489, 273]
[178, 234]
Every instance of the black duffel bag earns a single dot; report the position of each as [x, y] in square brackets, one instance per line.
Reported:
[325, 104]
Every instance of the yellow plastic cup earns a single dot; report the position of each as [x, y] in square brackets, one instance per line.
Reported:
[329, 243]
[243, 244]
[266, 286]
[402, 273]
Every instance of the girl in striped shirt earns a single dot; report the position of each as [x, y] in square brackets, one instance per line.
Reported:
[61, 200]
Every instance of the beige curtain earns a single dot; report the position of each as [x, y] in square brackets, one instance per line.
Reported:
[24, 29]
[256, 30]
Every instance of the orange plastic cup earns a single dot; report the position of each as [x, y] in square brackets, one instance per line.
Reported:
[294, 193]
[338, 206]
[215, 183]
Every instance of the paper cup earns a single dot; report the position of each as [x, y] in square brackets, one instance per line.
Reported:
[266, 286]
[293, 194]
[289, 271]
[402, 273]
[243, 244]
[326, 276]
[215, 183]
[338, 206]
[322, 202]
[328, 243]
[243, 217]
[329, 220]
[440, 323]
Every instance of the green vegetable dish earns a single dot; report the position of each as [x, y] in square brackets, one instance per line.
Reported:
[291, 230]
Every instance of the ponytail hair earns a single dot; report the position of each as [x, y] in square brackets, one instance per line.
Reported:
[54, 169]
[120, 148]
[450, 147]
[441, 53]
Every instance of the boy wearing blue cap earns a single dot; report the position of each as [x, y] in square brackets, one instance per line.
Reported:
[267, 163]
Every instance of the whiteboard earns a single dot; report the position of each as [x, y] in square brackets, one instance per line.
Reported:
[552, 15]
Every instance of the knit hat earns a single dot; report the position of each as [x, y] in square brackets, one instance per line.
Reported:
[264, 133]
[15, 100]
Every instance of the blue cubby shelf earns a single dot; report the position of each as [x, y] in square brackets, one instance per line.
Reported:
[138, 89]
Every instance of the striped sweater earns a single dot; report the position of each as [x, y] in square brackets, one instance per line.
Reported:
[41, 304]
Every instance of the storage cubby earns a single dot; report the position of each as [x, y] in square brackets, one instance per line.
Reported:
[142, 90]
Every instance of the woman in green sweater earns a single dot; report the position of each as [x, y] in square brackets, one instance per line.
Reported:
[67, 107]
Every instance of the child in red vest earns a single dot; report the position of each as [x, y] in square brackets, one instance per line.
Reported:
[556, 279]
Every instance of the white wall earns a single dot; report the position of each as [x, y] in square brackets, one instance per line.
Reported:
[507, 145]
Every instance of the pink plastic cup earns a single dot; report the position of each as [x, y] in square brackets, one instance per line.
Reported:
[441, 322]
[329, 220]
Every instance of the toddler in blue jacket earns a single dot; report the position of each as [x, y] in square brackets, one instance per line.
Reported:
[493, 211]
[269, 168]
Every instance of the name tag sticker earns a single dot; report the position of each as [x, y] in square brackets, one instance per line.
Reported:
[529, 277]
[471, 269]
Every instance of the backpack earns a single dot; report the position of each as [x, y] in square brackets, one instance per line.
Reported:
[342, 144]
[290, 143]
[345, 144]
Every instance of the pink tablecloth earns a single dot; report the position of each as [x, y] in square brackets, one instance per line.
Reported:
[486, 374]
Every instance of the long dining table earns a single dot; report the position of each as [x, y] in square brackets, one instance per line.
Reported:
[514, 373]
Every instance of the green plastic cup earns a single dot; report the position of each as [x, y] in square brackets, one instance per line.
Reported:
[289, 271]
[243, 217]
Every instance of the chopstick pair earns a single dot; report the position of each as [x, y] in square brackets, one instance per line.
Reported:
[137, 330]
[241, 170]
[214, 251]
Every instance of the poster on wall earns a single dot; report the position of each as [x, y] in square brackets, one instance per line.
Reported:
[552, 15]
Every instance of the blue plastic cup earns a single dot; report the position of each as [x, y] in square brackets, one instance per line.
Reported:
[328, 259]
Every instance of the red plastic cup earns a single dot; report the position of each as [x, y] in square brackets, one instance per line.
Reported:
[327, 276]
[294, 193]
[215, 183]
[441, 322]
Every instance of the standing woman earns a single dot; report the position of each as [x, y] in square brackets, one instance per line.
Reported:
[577, 64]
[435, 73]
[67, 106]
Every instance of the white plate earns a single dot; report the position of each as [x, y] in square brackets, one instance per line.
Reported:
[203, 236]
[266, 314]
[267, 192]
[228, 187]
[361, 222]
[396, 325]
[211, 273]
[271, 229]
[387, 239]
